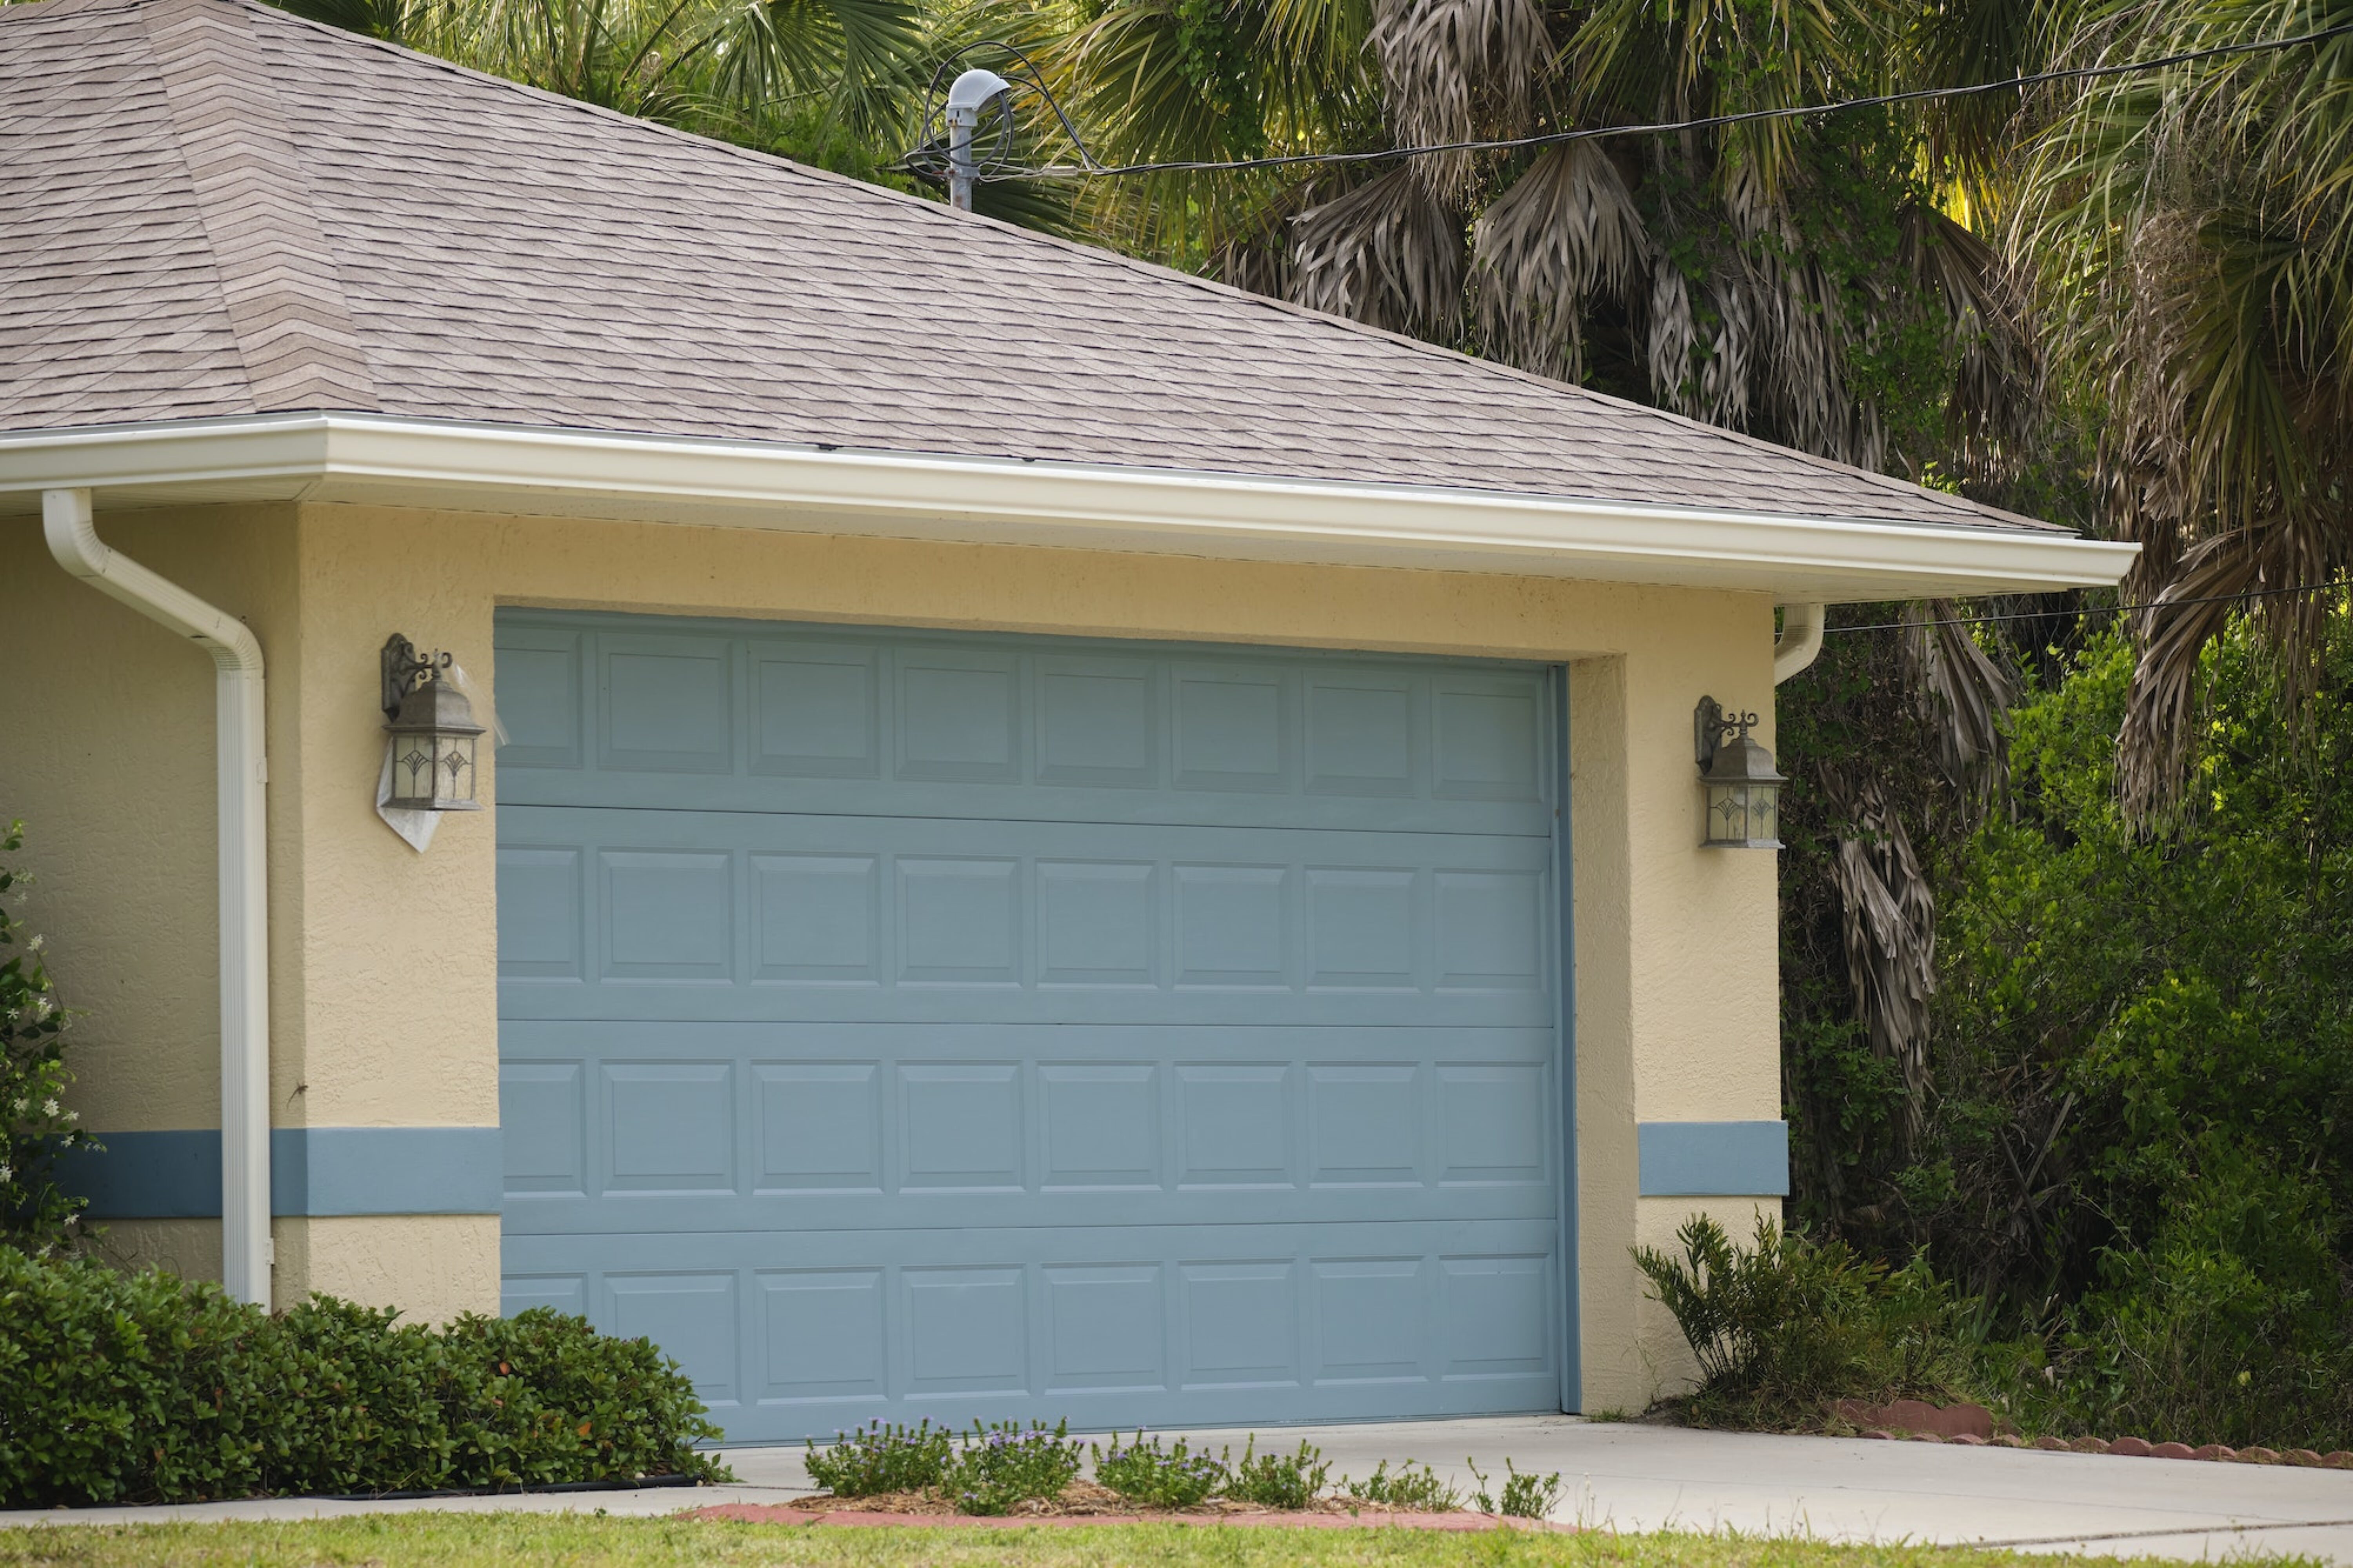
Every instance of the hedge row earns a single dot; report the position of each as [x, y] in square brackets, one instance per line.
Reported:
[144, 1387]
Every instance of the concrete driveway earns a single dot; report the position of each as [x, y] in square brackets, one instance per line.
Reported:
[1631, 1478]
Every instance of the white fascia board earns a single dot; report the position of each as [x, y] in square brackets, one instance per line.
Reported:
[371, 458]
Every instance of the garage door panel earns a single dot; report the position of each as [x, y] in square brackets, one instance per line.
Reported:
[866, 916]
[798, 1332]
[1045, 729]
[916, 1023]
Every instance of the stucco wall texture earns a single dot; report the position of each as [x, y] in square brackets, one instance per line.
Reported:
[383, 981]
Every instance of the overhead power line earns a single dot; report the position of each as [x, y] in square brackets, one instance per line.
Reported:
[2101, 609]
[930, 159]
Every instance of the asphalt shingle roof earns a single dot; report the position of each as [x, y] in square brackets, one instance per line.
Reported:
[208, 207]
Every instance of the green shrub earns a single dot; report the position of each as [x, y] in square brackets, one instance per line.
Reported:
[999, 1467]
[1411, 1485]
[879, 1458]
[1785, 1326]
[35, 1127]
[1151, 1476]
[1279, 1481]
[1524, 1496]
[144, 1387]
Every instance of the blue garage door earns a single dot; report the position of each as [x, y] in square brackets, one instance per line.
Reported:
[905, 1024]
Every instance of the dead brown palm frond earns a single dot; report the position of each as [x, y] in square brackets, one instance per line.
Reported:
[1388, 253]
[1459, 69]
[1565, 232]
[1887, 916]
[1998, 393]
[1963, 693]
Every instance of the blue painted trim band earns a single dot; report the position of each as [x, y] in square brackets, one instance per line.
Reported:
[314, 1172]
[1714, 1159]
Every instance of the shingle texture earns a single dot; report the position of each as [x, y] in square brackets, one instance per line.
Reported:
[209, 208]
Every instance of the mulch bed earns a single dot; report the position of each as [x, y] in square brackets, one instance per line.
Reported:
[1087, 1502]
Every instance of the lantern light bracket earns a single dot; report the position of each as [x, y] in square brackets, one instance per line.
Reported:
[1712, 725]
[404, 669]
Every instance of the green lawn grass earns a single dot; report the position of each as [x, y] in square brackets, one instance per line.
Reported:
[429, 1539]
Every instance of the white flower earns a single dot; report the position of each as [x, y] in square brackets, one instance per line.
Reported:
[6, 1173]
[71, 1116]
[49, 1108]
[35, 944]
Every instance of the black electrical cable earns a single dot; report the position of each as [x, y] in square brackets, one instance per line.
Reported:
[2101, 609]
[1088, 167]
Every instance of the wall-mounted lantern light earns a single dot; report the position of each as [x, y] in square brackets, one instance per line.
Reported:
[1743, 792]
[432, 729]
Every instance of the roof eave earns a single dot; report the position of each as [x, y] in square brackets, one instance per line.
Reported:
[376, 460]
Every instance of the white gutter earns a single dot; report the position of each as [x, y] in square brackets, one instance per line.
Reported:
[455, 466]
[244, 872]
[1800, 642]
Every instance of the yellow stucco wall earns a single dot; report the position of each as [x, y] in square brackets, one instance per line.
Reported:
[385, 996]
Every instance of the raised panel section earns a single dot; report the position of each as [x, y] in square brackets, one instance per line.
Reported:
[1241, 1324]
[1361, 931]
[1366, 1122]
[1105, 1330]
[541, 924]
[817, 919]
[967, 1331]
[816, 711]
[1233, 925]
[959, 716]
[1491, 929]
[544, 1127]
[959, 921]
[669, 704]
[1372, 1317]
[536, 688]
[1098, 724]
[669, 914]
[1492, 1118]
[564, 1293]
[821, 1335]
[1232, 729]
[819, 1126]
[1496, 1316]
[691, 1316]
[1487, 744]
[669, 1127]
[1235, 1121]
[1359, 738]
[961, 1126]
[1102, 1125]
[1098, 923]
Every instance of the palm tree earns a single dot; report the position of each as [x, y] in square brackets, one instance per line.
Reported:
[2191, 239]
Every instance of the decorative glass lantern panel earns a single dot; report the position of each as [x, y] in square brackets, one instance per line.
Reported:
[433, 749]
[1743, 791]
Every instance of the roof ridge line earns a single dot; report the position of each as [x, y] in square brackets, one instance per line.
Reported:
[1964, 509]
[285, 302]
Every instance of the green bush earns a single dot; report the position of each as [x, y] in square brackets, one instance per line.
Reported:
[877, 1458]
[1411, 1485]
[998, 1467]
[1788, 1325]
[144, 1387]
[1279, 1481]
[1152, 1475]
[1525, 1494]
[36, 1126]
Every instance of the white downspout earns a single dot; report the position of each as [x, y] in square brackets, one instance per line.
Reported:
[244, 873]
[1800, 642]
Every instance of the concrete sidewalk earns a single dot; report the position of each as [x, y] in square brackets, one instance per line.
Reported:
[1633, 1477]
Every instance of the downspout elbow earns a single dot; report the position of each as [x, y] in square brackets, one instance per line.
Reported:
[1800, 642]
